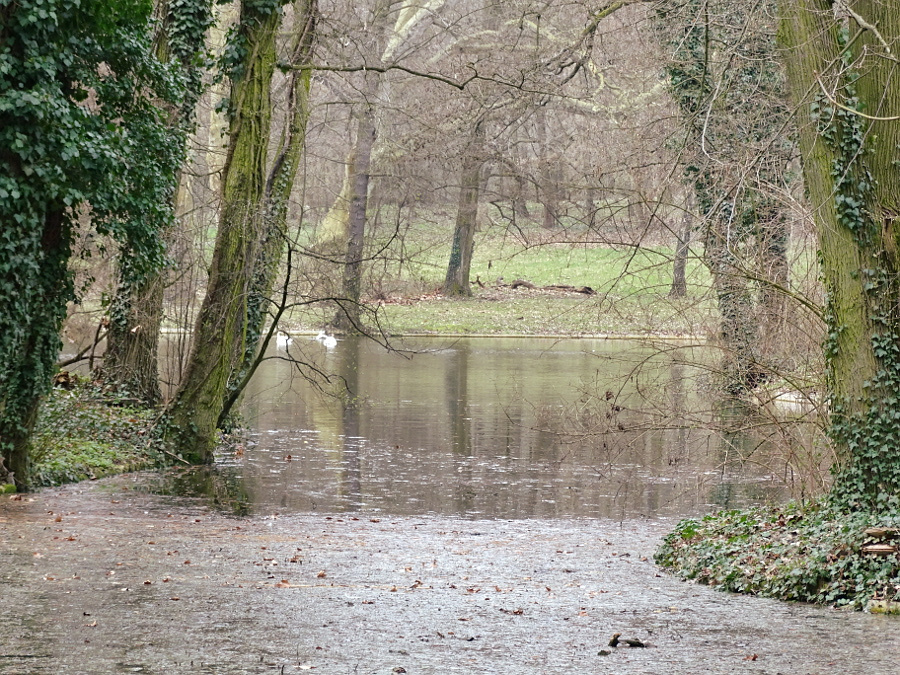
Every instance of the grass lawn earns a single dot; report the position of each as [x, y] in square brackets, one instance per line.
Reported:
[631, 287]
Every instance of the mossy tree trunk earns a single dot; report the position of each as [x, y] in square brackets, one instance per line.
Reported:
[279, 186]
[220, 333]
[136, 314]
[456, 282]
[841, 82]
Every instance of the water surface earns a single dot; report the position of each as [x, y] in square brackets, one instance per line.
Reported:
[489, 427]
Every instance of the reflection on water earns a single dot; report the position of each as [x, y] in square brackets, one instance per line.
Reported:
[504, 428]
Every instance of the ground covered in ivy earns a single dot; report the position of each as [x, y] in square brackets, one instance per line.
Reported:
[83, 433]
[810, 553]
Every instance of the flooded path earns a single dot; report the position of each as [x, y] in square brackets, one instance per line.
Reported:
[501, 428]
[103, 578]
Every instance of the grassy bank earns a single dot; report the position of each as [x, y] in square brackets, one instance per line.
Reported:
[501, 310]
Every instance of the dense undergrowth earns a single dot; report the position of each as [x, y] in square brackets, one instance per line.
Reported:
[82, 433]
[810, 553]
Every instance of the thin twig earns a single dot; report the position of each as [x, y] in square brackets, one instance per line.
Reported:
[851, 110]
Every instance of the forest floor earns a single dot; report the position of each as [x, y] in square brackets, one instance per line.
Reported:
[101, 577]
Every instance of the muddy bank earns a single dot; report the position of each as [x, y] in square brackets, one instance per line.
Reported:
[100, 578]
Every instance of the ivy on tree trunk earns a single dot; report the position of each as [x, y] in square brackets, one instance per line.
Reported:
[136, 313]
[220, 332]
[847, 92]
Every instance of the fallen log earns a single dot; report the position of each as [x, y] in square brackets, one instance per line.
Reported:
[882, 532]
[879, 549]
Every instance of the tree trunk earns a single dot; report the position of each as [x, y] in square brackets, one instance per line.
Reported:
[132, 343]
[219, 337]
[130, 361]
[774, 280]
[456, 282]
[738, 327]
[730, 90]
[682, 246]
[548, 189]
[25, 384]
[849, 162]
[347, 318]
[278, 192]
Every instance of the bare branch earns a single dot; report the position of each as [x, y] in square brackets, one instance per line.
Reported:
[858, 113]
[585, 43]
[461, 84]
[866, 25]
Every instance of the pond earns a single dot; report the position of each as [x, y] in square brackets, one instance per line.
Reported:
[492, 427]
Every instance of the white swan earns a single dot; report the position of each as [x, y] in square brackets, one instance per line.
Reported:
[329, 341]
[282, 340]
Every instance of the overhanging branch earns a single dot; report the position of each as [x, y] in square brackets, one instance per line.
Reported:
[457, 84]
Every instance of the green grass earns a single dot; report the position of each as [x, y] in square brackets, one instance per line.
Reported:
[524, 312]
[631, 285]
